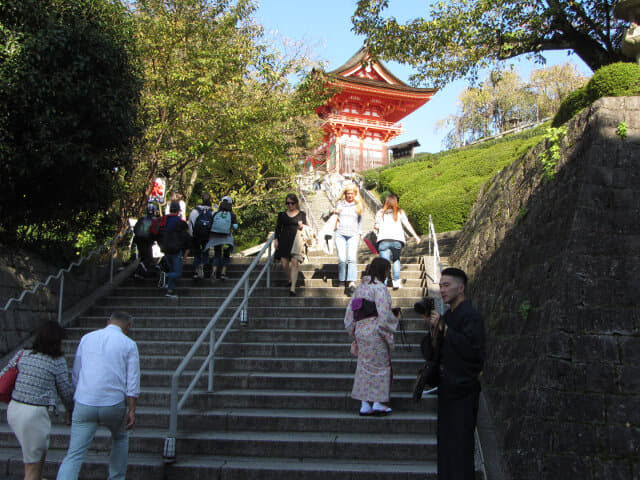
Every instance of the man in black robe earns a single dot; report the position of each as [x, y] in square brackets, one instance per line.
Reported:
[461, 359]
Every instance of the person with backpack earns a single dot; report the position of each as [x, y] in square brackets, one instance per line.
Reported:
[172, 234]
[200, 221]
[144, 242]
[221, 238]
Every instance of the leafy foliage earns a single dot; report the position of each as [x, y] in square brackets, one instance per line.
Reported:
[571, 105]
[460, 37]
[69, 92]
[221, 115]
[551, 156]
[505, 101]
[446, 184]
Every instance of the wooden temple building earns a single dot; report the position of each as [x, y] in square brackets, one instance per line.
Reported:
[362, 117]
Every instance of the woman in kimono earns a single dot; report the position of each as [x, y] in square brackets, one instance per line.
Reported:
[373, 340]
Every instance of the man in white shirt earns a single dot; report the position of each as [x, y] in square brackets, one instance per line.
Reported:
[106, 374]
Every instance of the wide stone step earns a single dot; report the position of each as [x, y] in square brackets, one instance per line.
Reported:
[89, 323]
[173, 308]
[264, 349]
[301, 301]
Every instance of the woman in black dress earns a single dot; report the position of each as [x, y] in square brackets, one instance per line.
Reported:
[289, 222]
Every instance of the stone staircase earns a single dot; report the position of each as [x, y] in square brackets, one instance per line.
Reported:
[281, 405]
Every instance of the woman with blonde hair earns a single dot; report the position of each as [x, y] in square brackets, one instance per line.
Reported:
[347, 235]
[389, 223]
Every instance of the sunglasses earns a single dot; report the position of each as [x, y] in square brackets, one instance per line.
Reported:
[290, 203]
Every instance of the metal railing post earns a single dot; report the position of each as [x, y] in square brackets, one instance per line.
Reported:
[245, 306]
[269, 267]
[111, 254]
[60, 297]
[212, 342]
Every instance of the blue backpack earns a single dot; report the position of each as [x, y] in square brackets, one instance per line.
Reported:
[221, 222]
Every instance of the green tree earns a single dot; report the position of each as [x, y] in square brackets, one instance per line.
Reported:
[460, 37]
[503, 101]
[69, 94]
[220, 112]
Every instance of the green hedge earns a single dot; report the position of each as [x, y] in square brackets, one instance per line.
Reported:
[446, 184]
[615, 80]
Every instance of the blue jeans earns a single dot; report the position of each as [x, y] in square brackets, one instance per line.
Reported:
[347, 249]
[200, 256]
[83, 428]
[385, 247]
[174, 261]
[221, 255]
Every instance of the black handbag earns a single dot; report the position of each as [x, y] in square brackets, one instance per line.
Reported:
[363, 308]
[429, 374]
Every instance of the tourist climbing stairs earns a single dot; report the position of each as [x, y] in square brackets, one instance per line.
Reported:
[281, 405]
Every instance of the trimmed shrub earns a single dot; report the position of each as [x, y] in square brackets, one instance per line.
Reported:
[615, 80]
[371, 179]
[445, 185]
[571, 105]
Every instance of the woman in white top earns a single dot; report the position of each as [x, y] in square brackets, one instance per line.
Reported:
[388, 225]
[347, 235]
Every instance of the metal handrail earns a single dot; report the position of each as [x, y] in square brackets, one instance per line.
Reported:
[314, 222]
[433, 246]
[60, 275]
[241, 309]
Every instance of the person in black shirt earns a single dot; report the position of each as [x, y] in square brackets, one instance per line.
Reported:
[462, 357]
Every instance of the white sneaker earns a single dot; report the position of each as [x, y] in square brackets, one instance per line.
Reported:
[397, 284]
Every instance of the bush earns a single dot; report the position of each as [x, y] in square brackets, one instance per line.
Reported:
[371, 179]
[615, 80]
[571, 105]
[446, 185]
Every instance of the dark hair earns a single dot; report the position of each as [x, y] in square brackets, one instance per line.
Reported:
[225, 206]
[49, 339]
[379, 269]
[293, 197]
[174, 207]
[456, 273]
[206, 199]
[121, 317]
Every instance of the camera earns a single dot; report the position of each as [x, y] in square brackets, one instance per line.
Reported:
[424, 306]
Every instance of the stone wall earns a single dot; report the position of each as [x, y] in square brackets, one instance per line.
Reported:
[554, 266]
[20, 270]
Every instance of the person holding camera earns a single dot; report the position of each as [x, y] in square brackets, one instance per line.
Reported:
[370, 319]
[461, 358]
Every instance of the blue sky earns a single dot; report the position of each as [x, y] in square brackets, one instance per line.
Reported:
[325, 27]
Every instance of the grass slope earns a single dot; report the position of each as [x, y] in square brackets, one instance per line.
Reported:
[445, 185]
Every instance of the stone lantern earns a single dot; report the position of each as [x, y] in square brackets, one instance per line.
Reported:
[630, 10]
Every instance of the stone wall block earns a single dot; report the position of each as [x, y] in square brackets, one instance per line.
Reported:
[559, 345]
[595, 348]
[566, 467]
[576, 439]
[623, 409]
[630, 347]
[596, 378]
[556, 374]
[630, 379]
[610, 469]
[621, 441]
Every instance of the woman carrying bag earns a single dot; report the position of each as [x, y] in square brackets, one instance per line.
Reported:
[289, 223]
[373, 331]
[42, 377]
[389, 224]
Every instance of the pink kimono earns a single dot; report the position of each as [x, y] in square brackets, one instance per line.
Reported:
[375, 341]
